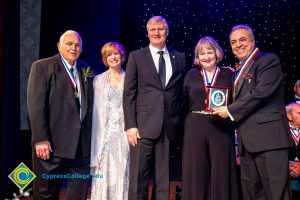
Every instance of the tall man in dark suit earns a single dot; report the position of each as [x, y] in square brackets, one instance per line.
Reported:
[152, 93]
[59, 105]
[258, 109]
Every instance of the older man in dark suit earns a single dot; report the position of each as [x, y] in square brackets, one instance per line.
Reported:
[293, 114]
[258, 108]
[152, 93]
[59, 104]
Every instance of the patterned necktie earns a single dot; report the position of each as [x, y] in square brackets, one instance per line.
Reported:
[162, 68]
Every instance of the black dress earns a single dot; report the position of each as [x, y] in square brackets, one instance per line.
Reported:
[209, 170]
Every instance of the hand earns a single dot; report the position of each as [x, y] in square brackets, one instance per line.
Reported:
[221, 111]
[294, 169]
[43, 150]
[133, 136]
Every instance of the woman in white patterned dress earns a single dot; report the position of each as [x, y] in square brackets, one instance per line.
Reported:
[110, 150]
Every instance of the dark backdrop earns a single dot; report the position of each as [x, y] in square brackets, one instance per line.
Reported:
[96, 21]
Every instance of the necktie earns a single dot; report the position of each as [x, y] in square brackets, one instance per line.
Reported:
[162, 68]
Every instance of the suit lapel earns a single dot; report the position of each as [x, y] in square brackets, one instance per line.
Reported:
[238, 87]
[65, 81]
[241, 82]
[152, 67]
[83, 89]
[176, 74]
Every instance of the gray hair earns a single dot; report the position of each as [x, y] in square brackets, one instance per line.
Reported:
[156, 19]
[289, 108]
[245, 27]
[297, 82]
[68, 32]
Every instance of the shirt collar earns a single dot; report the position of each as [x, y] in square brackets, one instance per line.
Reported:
[154, 50]
[68, 65]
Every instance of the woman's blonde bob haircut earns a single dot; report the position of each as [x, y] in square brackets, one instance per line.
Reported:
[209, 43]
[109, 48]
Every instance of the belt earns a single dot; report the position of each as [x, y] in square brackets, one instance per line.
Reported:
[202, 112]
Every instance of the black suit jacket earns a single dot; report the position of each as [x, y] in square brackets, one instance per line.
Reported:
[258, 106]
[52, 107]
[147, 106]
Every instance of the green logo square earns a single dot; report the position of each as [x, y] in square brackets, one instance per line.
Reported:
[21, 176]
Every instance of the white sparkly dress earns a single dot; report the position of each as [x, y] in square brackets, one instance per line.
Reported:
[110, 149]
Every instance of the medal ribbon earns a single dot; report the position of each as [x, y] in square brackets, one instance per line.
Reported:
[70, 74]
[295, 135]
[214, 78]
[244, 66]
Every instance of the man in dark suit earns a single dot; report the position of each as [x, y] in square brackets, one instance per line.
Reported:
[151, 102]
[293, 114]
[59, 96]
[258, 109]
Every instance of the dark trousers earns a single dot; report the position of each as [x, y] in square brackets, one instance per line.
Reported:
[265, 175]
[46, 188]
[296, 194]
[147, 154]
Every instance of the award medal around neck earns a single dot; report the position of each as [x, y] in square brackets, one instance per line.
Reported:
[71, 78]
[214, 78]
[295, 135]
[244, 66]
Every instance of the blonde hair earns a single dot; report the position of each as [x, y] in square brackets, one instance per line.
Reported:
[109, 48]
[209, 43]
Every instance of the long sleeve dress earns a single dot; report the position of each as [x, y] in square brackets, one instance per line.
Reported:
[110, 149]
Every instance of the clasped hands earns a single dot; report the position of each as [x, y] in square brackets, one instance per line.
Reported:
[294, 169]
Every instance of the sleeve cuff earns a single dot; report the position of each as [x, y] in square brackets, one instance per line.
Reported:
[230, 116]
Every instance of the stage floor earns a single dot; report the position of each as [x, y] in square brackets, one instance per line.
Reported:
[173, 185]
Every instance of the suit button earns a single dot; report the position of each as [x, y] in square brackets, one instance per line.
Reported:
[162, 106]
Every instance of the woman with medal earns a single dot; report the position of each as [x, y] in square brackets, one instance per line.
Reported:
[209, 170]
[110, 149]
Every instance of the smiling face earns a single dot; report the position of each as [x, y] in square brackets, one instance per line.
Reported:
[241, 44]
[157, 34]
[114, 59]
[207, 58]
[70, 46]
[294, 116]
